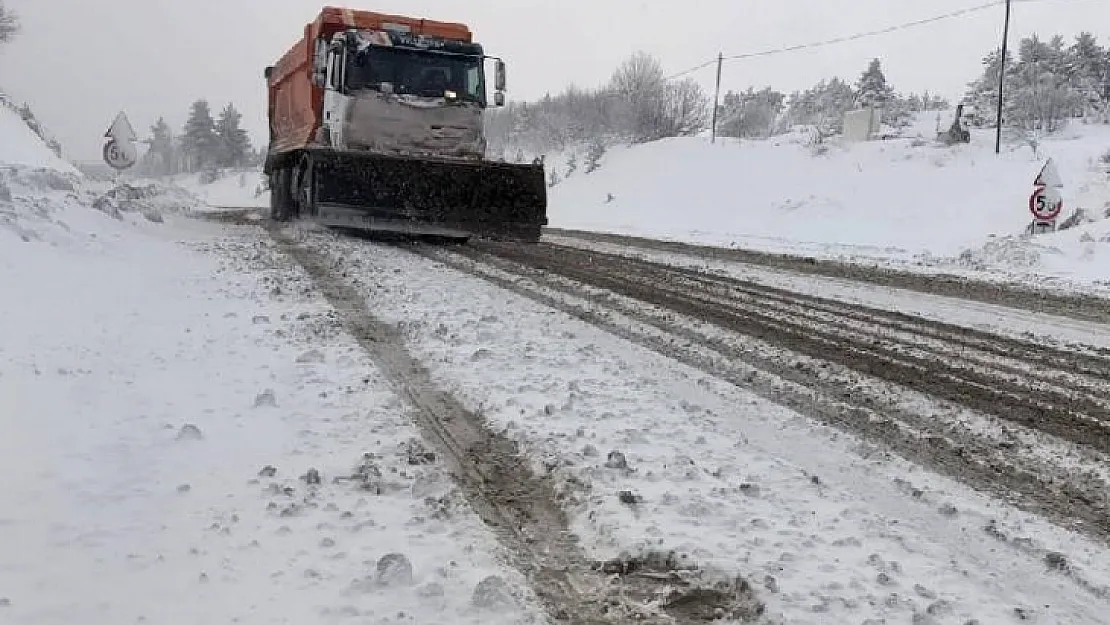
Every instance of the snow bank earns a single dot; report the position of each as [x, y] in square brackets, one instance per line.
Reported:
[21, 146]
[907, 200]
[232, 189]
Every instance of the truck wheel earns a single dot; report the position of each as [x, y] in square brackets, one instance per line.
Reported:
[305, 189]
[275, 194]
[279, 195]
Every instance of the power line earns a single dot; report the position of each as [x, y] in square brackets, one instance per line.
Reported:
[854, 37]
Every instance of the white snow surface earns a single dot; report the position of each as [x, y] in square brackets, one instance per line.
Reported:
[20, 146]
[830, 530]
[151, 366]
[904, 201]
[232, 189]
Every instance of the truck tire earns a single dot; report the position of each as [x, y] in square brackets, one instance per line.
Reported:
[279, 195]
[304, 189]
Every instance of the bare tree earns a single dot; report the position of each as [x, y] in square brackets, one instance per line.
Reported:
[655, 107]
[9, 24]
[686, 109]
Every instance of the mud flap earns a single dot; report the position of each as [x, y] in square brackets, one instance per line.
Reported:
[486, 199]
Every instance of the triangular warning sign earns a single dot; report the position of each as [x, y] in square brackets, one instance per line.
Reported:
[1049, 176]
[121, 130]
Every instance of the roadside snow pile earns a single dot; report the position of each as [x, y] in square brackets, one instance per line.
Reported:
[152, 201]
[1078, 257]
[44, 204]
[34, 202]
[227, 188]
[899, 200]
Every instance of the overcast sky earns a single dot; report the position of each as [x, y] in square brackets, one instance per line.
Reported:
[78, 62]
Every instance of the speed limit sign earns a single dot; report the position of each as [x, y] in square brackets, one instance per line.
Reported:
[1046, 203]
[119, 156]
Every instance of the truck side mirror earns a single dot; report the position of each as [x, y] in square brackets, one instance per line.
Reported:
[269, 71]
[499, 76]
[499, 98]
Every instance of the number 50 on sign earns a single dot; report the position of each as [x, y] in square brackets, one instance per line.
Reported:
[1046, 203]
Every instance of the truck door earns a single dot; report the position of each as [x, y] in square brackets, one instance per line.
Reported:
[335, 102]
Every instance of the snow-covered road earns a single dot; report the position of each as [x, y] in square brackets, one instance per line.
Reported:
[212, 424]
[654, 454]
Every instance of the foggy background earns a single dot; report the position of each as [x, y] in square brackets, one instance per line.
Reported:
[78, 62]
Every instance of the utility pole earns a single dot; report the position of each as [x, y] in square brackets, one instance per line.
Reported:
[717, 96]
[1002, 80]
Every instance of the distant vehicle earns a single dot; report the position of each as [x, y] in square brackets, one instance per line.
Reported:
[376, 123]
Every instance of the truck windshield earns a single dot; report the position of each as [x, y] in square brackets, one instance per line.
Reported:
[417, 72]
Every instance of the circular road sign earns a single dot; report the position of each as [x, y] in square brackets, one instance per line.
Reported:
[117, 156]
[1046, 203]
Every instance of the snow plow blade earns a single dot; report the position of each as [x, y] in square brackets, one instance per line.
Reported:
[427, 196]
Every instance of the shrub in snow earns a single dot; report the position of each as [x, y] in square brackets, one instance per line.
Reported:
[1079, 217]
[209, 176]
[594, 154]
[393, 570]
[492, 593]
[151, 201]
[5, 192]
[572, 164]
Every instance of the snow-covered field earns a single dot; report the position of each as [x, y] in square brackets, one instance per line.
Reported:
[906, 202]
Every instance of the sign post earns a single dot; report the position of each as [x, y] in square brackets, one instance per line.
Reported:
[1046, 202]
[120, 152]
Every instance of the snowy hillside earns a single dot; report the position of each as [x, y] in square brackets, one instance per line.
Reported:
[20, 146]
[905, 200]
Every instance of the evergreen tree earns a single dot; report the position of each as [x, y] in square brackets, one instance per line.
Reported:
[9, 24]
[235, 144]
[872, 88]
[200, 142]
[982, 96]
[822, 105]
[162, 149]
[750, 114]
[1088, 70]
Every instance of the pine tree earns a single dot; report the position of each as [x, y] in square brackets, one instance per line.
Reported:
[9, 24]
[872, 88]
[162, 148]
[235, 144]
[1088, 69]
[750, 114]
[200, 142]
[982, 95]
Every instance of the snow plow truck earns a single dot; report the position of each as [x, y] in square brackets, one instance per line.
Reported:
[376, 124]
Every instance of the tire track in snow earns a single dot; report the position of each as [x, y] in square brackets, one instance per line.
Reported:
[1074, 406]
[806, 384]
[1081, 307]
